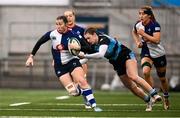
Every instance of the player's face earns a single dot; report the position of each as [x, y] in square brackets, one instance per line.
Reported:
[61, 26]
[70, 17]
[143, 17]
[92, 39]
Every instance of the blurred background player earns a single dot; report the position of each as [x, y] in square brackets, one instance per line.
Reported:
[146, 34]
[70, 15]
[123, 61]
[67, 67]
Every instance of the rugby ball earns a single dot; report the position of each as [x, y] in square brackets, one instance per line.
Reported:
[75, 41]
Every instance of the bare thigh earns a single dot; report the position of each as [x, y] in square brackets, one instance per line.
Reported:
[65, 79]
[78, 76]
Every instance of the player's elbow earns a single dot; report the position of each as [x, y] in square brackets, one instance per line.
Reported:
[157, 41]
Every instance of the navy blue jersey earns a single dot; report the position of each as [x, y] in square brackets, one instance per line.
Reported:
[79, 30]
[149, 48]
[60, 57]
[85, 47]
[150, 28]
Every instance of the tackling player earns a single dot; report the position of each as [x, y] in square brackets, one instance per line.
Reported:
[123, 61]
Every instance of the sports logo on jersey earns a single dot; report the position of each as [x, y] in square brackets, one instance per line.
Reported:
[53, 38]
[101, 39]
[58, 72]
[78, 32]
[157, 28]
[74, 64]
[80, 36]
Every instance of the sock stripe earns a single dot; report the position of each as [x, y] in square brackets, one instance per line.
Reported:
[153, 92]
[90, 97]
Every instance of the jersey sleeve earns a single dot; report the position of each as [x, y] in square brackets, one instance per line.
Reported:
[157, 27]
[82, 31]
[85, 47]
[41, 41]
[99, 54]
[104, 41]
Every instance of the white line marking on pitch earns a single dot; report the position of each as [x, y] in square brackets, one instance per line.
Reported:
[62, 97]
[67, 110]
[73, 117]
[18, 104]
[67, 104]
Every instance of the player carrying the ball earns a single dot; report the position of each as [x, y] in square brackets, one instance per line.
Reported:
[67, 66]
[70, 15]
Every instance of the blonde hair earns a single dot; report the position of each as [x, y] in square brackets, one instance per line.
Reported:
[71, 10]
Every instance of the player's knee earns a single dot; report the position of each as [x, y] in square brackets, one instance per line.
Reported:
[73, 90]
[133, 77]
[163, 80]
[146, 68]
[146, 64]
[83, 83]
[146, 72]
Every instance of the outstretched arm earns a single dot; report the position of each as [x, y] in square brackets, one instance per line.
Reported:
[41, 41]
[99, 54]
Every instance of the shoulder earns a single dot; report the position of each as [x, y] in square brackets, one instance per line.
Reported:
[80, 27]
[54, 34]
[137, 23]
[103, 38]
[156, 25]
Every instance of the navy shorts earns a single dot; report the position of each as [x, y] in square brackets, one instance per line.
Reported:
[145, 51]
[66, 68]
[120, 63]
[159, 61]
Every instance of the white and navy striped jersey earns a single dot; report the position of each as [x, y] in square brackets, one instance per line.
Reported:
[60, 57]
[155, 50]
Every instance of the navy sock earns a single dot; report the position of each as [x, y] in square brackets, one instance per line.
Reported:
[147, 98]
[153, 92]
[88, 94]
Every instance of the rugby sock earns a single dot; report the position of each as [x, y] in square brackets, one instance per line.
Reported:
[166, 95]
[153, 92]
[85, 100]
[146, 98]
[87, 93]
[79, 91]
